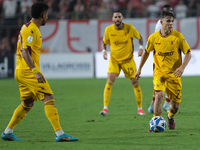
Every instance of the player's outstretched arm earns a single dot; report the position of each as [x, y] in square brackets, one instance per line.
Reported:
[141, 46]
[29, 62]
[179, 71]
[104, 51]
[144, 57]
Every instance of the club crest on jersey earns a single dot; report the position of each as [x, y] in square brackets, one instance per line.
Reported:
[30, 39]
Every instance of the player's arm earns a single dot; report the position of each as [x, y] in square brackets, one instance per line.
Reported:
[104, 51]
[179, 71]
[141, 46]
[27, 57]
[144, 57]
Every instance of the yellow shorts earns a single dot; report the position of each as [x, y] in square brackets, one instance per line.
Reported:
[129, 68]
[29, 86]
[172, 85]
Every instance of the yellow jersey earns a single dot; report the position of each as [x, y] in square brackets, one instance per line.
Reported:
[167, 51]
[29, 38]
[121, 42]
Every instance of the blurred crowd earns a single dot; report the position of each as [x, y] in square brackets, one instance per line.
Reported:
[16, 12]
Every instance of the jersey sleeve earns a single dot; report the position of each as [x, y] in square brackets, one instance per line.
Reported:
[28, 39]
[135, 33]
[149, 46]
[106, 39]
[184, 47]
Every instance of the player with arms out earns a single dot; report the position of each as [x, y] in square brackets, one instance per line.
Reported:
[120, 37]
[167, 45]
[32, 84]
[167, 103]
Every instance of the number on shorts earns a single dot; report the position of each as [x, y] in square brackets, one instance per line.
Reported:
[130, 71]
[179, 94]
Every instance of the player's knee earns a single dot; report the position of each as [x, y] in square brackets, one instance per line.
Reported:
[134, 82]
[159, 96]
[175, 108]
[135, 85]
[27, 107]
[110, 82]
[49, 102]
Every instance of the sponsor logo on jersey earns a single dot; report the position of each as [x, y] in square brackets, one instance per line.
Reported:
[123, 42]
[165, 54]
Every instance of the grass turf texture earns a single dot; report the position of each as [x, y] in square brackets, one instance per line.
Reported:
[79, 101]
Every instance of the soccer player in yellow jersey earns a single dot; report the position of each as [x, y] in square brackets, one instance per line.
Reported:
[167, 103]
[32, 84]
[120, 37]
[167, 45]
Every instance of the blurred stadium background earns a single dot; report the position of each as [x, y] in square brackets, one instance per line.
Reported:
[73, 35]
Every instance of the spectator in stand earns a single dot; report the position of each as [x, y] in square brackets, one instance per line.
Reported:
[153, 10]
[161, 3]
[25, 6]
[87, 9]
[192, 8]
[5, 48]
[51, 4]
[1, 5]
[63, 7]
[113, 5]
[173, 3]
[102, 12]
[79, 10]
[8, 18]
[180, 10]
[136, 6]
[130, 13]
[94, 6]
[198, 8]
[24, 11]
[122, 4]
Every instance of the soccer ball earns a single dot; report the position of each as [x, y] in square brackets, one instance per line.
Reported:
[158, 124]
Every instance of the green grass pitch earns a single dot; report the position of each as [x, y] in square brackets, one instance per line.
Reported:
[79, 101]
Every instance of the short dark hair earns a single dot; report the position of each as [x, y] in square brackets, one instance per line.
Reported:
[38, 9]
[167, 7]
[118, 11]
[167, 13]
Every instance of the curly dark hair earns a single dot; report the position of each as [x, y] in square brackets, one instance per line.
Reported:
[38, 9]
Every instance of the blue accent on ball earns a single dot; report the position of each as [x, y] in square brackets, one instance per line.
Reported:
[158, 124]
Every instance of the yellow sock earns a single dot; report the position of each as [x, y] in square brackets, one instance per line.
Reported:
[18, 115]
[138, 94]
[52, 114]
[171, 114]
[107, 93]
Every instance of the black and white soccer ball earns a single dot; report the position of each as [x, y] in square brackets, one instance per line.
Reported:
[158, 124]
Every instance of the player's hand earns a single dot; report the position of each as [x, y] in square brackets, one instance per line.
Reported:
[137, 75]
[178, 72]
[40, 78]
[140, 52]
[105, 55]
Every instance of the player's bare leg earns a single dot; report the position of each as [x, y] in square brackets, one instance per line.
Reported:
[158, 103]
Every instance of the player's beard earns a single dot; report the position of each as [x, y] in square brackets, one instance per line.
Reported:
[118, 24]
[43, 22]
